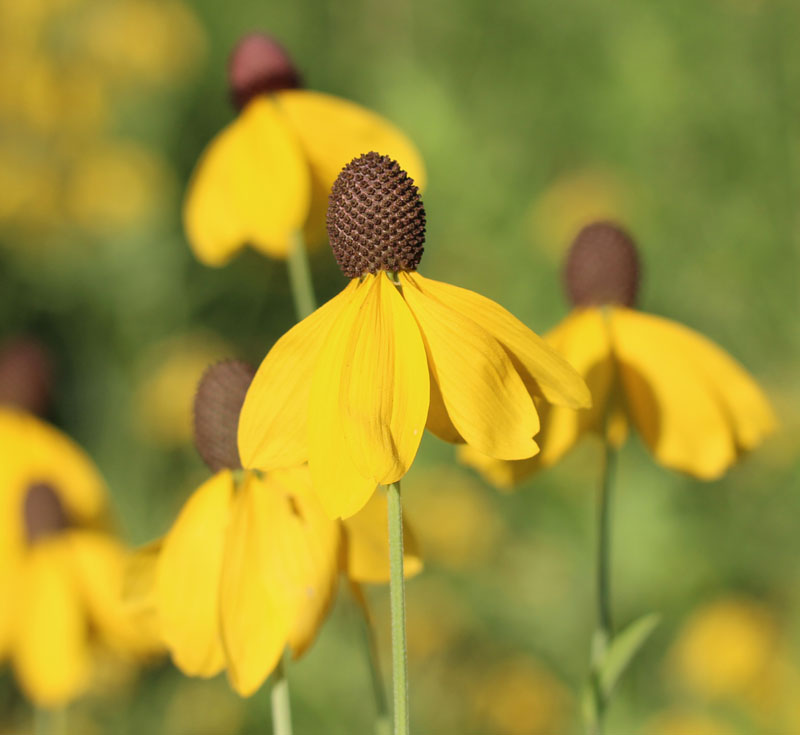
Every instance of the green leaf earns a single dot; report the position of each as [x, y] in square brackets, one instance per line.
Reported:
[623, 648]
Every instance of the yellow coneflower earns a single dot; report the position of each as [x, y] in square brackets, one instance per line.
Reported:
[267, 175]
[694, 406]
[60, 572]
[352, 387]
[250, 566]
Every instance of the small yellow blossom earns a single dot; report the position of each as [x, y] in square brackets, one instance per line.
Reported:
[352, 387]
[694, 406]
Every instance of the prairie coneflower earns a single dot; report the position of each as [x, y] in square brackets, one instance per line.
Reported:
[61, 573]
[694, 406]
[351, 387]
[251, 564]
[265, 178]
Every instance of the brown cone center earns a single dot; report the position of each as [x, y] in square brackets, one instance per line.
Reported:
[258, 64]
[43, 512]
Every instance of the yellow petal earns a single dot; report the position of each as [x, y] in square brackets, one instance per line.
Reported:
[439, 422]
[332, 132]
[367, 535]
[51, 655]
[384, 388]
[139, 589]
[251, 186]
[544, 371]
[482, 391]
[670, 401]
[188, 578]
[341, 488]
[274, 418]
[280, 569]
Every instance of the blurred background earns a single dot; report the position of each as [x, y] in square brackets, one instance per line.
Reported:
[680, 119]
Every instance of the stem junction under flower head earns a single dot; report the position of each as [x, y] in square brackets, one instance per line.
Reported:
[257, 65]
[376, 221]
[43, 512]
[602, 267]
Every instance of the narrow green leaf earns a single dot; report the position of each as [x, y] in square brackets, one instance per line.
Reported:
[623, 648]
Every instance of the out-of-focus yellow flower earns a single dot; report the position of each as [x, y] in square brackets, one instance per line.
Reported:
[251, 564]
[352, 387]
[115, 185]
[171, 371]
[267, 175]
[60, 572]
[574, 201]
[694, 406]
[520, 697]
[725, 648]
[681, 722]
[144, 40]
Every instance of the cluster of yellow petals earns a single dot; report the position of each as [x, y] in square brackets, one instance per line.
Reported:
[62, 594]
[361, 378]
[268, 174]
[694, 406]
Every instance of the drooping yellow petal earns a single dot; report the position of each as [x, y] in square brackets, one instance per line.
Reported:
[484, 395]
[670, 401]
[367, 535]
[545, 372]
[384, 388]
[332, 132]
[251, 186]
[748, 411]
[188, 578]
[139, 589]
[274, 418]
[51, 653]
[341, 487]
[439, 422]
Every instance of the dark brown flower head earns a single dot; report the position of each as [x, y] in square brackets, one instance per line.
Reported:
[257, 65]
[217, 404]
[376, 221]
[602, 267]
[26, 375]
[43, 512]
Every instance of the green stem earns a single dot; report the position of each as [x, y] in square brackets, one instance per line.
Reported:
[603, 628]
[281, 707]
[50, 722]
[300, 276]
[398, 606]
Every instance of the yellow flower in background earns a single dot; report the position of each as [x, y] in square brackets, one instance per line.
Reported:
[267, 175]
[725, 649]
[252, 562]
[684, 722]
[352, 387]
[61, 573]
[694, 406]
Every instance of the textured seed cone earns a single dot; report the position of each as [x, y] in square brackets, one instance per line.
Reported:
[26, 375]
[257, 65]
[217, 405]
[602, 267]
[376, 221]
[43, 512]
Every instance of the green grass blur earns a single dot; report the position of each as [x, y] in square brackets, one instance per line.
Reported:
[683, 119]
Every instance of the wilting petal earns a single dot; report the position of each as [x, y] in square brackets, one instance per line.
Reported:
[341, 488]
[544, 371]
[669, 399]
[251, 186]
[332, 132]
[188, 578]
[367, 534]
[274, 418]
[51, 653]
[384, 389]
[482, 391]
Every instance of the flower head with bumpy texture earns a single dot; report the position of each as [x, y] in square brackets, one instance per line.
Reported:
[250, 565]
[61, 569]
[695, 407]
[352, 387]
[266, 176]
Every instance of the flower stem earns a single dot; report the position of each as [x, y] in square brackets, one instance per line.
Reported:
[603, 627]
[300, 276]
[281, 707]
[49, 722]
[398, 606]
